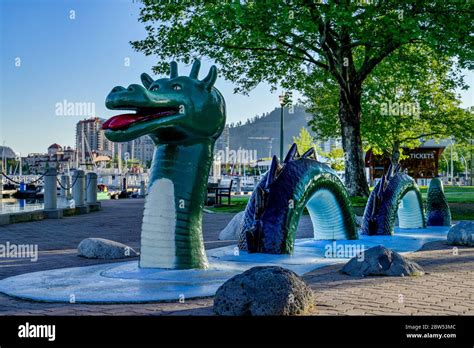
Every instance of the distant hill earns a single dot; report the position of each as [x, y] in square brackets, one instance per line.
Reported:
[267, 125]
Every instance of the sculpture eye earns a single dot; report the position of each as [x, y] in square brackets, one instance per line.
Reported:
[177, 87]
[155, 88]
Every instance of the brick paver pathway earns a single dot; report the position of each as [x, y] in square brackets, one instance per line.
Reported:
[448, 288]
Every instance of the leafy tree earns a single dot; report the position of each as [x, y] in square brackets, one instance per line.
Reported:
[407, 99]
[304, 141]
[461, 158]
[298, 44]
[336, 159]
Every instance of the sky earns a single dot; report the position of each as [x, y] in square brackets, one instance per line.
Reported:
[76, 51]
[79, 60]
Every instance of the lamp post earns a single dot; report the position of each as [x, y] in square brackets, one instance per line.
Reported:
[285, 99]
[447, 170]
[465, 169]
[471, 160]
[452, 167]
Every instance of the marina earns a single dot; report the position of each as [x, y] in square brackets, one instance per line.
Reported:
[25, 193]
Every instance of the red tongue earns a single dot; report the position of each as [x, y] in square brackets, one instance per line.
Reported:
[120, 121]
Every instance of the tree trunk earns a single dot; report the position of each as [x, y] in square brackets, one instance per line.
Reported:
[349, 116]
[395, 157]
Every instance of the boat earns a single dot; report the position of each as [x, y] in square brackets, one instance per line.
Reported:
[29, 191]
[8, 190]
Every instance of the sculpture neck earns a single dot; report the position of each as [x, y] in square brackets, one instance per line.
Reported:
[172, 222]
[176, 161]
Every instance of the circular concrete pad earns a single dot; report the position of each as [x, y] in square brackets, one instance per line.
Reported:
[125, 282]
[117, 282]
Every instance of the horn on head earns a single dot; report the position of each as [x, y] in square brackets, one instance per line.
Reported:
[195, 69]
[291, 153]
[173, 69]
[389, 172]
[211, 78]
[272, 173]
[381, 188]
[310, 153]
[146, 80]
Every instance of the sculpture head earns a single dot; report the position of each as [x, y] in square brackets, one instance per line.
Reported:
[174, 109]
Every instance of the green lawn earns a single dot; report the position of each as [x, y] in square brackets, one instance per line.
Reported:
[455, 194]
[460, 199]
[237, 204]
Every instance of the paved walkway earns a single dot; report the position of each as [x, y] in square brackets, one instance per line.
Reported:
[447, 289]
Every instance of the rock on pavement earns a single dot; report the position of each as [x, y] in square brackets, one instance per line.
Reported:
[264, 290]
[381, 261]
[232, 230]
[99, 248]
[462, 234]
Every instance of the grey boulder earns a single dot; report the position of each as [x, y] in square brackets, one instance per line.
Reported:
[461, 234]
[99, 248]
[232, 230]
[380, 261]
[264, 290]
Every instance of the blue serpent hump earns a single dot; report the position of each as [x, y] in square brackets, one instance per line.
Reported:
[277, 203]
[396, 192]
[437, 212]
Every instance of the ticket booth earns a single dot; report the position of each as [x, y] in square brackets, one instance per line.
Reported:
[422, 163]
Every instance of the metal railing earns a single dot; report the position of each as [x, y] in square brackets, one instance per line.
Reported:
[84, 191]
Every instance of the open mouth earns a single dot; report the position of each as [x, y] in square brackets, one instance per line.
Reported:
[124, 121]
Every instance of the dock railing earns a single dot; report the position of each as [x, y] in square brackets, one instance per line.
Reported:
[83, 187]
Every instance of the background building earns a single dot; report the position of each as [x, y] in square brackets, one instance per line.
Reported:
[421, 163]
[7, 156]
[330, 144]
[90, 139]
[61, 158]
[143, 149]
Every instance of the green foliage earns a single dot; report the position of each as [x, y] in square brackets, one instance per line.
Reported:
[304, 141]
[324, 49]
[409, 97]
[336, 159]
[461, 158]
[25, 168]
[297, 43]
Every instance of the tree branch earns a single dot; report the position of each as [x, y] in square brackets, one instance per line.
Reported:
[275, 49]
[328, 44]
[418, 137]
[310, 57]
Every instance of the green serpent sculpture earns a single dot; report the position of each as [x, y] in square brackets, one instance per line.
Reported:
[395, 194]
[183, 116]
[277, 203]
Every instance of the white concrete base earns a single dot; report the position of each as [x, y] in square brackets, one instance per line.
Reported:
[125, 282]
